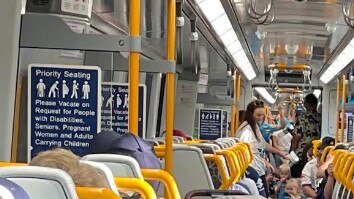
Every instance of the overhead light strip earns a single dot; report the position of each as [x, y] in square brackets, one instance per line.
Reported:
[216, 15]
[265, 94]
[342, 60]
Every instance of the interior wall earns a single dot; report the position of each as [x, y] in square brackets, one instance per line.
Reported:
[328, 116]
[185, 106]
[10, 21]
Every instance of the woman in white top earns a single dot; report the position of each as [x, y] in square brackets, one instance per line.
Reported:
[249, 132]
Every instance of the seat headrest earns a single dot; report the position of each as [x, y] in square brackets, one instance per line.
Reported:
[34, 178]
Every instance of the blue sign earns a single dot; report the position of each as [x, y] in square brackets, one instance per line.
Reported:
[115, 104]
[63, 107]
[225, 124]
[210, 124]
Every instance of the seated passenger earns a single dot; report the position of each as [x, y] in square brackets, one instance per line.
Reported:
[293, 190]
[82, 174]
[309, 178]
[179, 133]
[325, 188]
[110, 142]
[285, 175]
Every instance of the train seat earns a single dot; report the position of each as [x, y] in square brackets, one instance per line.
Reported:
[41, 182]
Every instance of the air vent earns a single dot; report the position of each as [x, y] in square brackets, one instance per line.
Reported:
[40, 2]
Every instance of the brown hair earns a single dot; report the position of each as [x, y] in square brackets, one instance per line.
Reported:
[82, 174]
[248, 116]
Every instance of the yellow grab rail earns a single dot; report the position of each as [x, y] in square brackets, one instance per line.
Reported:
[135, 184]
[346, 170]
[344, 97]
[247, 147]
[339, 164]
[325, 153]
[219, 164]
[166, 178]
[233, 127]
[170, 85]
[159, 148]
[316, 144]
[192, 141]
[134, 61]
[242, 156]
[96, 193]
[10, 164]
[234, 167]
[337, 111]
[349, 177]
[160, 151]
[238, 96]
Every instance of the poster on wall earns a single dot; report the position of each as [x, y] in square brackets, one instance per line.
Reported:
[210, 123]
[115, 108]
[63, 107]
[82, 7]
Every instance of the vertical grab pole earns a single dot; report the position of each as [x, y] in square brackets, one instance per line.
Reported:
[337, 111]
[16, 128]
[233, 108]
[170, 85]
[343, 108]
[134, 61]
[238, 96]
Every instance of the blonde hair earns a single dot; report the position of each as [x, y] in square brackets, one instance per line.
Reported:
[296, 181]
[57, 158]
[286, 169]
[82, 174]
[88, 176]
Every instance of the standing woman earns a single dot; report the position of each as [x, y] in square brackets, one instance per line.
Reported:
[249, 132]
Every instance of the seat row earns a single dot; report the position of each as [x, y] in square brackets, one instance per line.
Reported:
[191, 172]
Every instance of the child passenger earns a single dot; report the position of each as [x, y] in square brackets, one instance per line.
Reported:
[285, 175]
[293, 189]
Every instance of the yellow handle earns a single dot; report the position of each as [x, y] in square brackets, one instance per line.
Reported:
[97, 193]
[219, 164]
[339, 166]
[10, 164]
[316, 144]
[349, 177]
[135, 184]
[242, 153]
[325, 152]
[234, 168]
[166, 178]
[346, 171]
[192, 141]
[248, 149]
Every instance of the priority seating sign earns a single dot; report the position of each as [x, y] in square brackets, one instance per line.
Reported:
[63, 107]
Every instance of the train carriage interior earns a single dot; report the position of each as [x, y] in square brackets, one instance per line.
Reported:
[109, 99]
